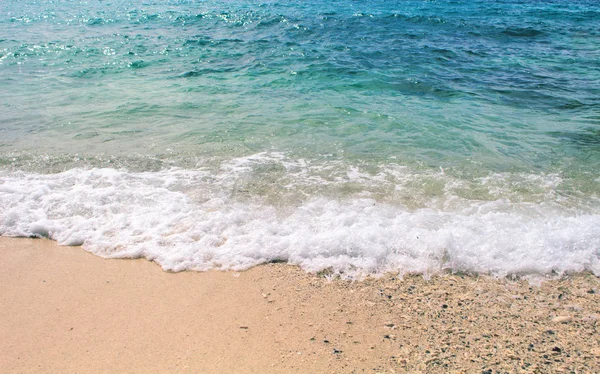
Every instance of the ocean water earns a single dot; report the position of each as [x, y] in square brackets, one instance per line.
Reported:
[352, 137]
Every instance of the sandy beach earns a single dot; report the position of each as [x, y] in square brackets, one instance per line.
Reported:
[299, 186]
[65, 310]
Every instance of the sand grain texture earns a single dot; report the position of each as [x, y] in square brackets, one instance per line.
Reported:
[65, 310]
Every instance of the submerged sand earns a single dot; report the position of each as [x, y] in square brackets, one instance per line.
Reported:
[65, 310]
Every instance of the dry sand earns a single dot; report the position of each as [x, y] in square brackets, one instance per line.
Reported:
[65, 310]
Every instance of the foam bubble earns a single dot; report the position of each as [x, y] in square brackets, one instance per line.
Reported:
[198, 220]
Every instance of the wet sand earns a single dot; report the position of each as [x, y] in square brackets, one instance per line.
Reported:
[65, 310]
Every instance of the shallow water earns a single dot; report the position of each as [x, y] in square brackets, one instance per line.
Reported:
[359, 136]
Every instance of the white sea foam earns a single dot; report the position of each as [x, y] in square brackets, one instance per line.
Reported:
[194, 219]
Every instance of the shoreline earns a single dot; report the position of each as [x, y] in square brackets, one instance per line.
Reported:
[65, 309]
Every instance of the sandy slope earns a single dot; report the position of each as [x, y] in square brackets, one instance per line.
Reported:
[65, 310]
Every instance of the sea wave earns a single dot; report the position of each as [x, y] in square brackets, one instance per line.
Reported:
[204, 219]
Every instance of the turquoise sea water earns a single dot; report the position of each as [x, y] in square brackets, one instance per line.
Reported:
[360, 136]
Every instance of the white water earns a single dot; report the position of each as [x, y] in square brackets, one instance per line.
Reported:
[191, 220]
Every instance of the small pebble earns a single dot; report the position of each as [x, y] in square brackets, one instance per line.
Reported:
[562, 319]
